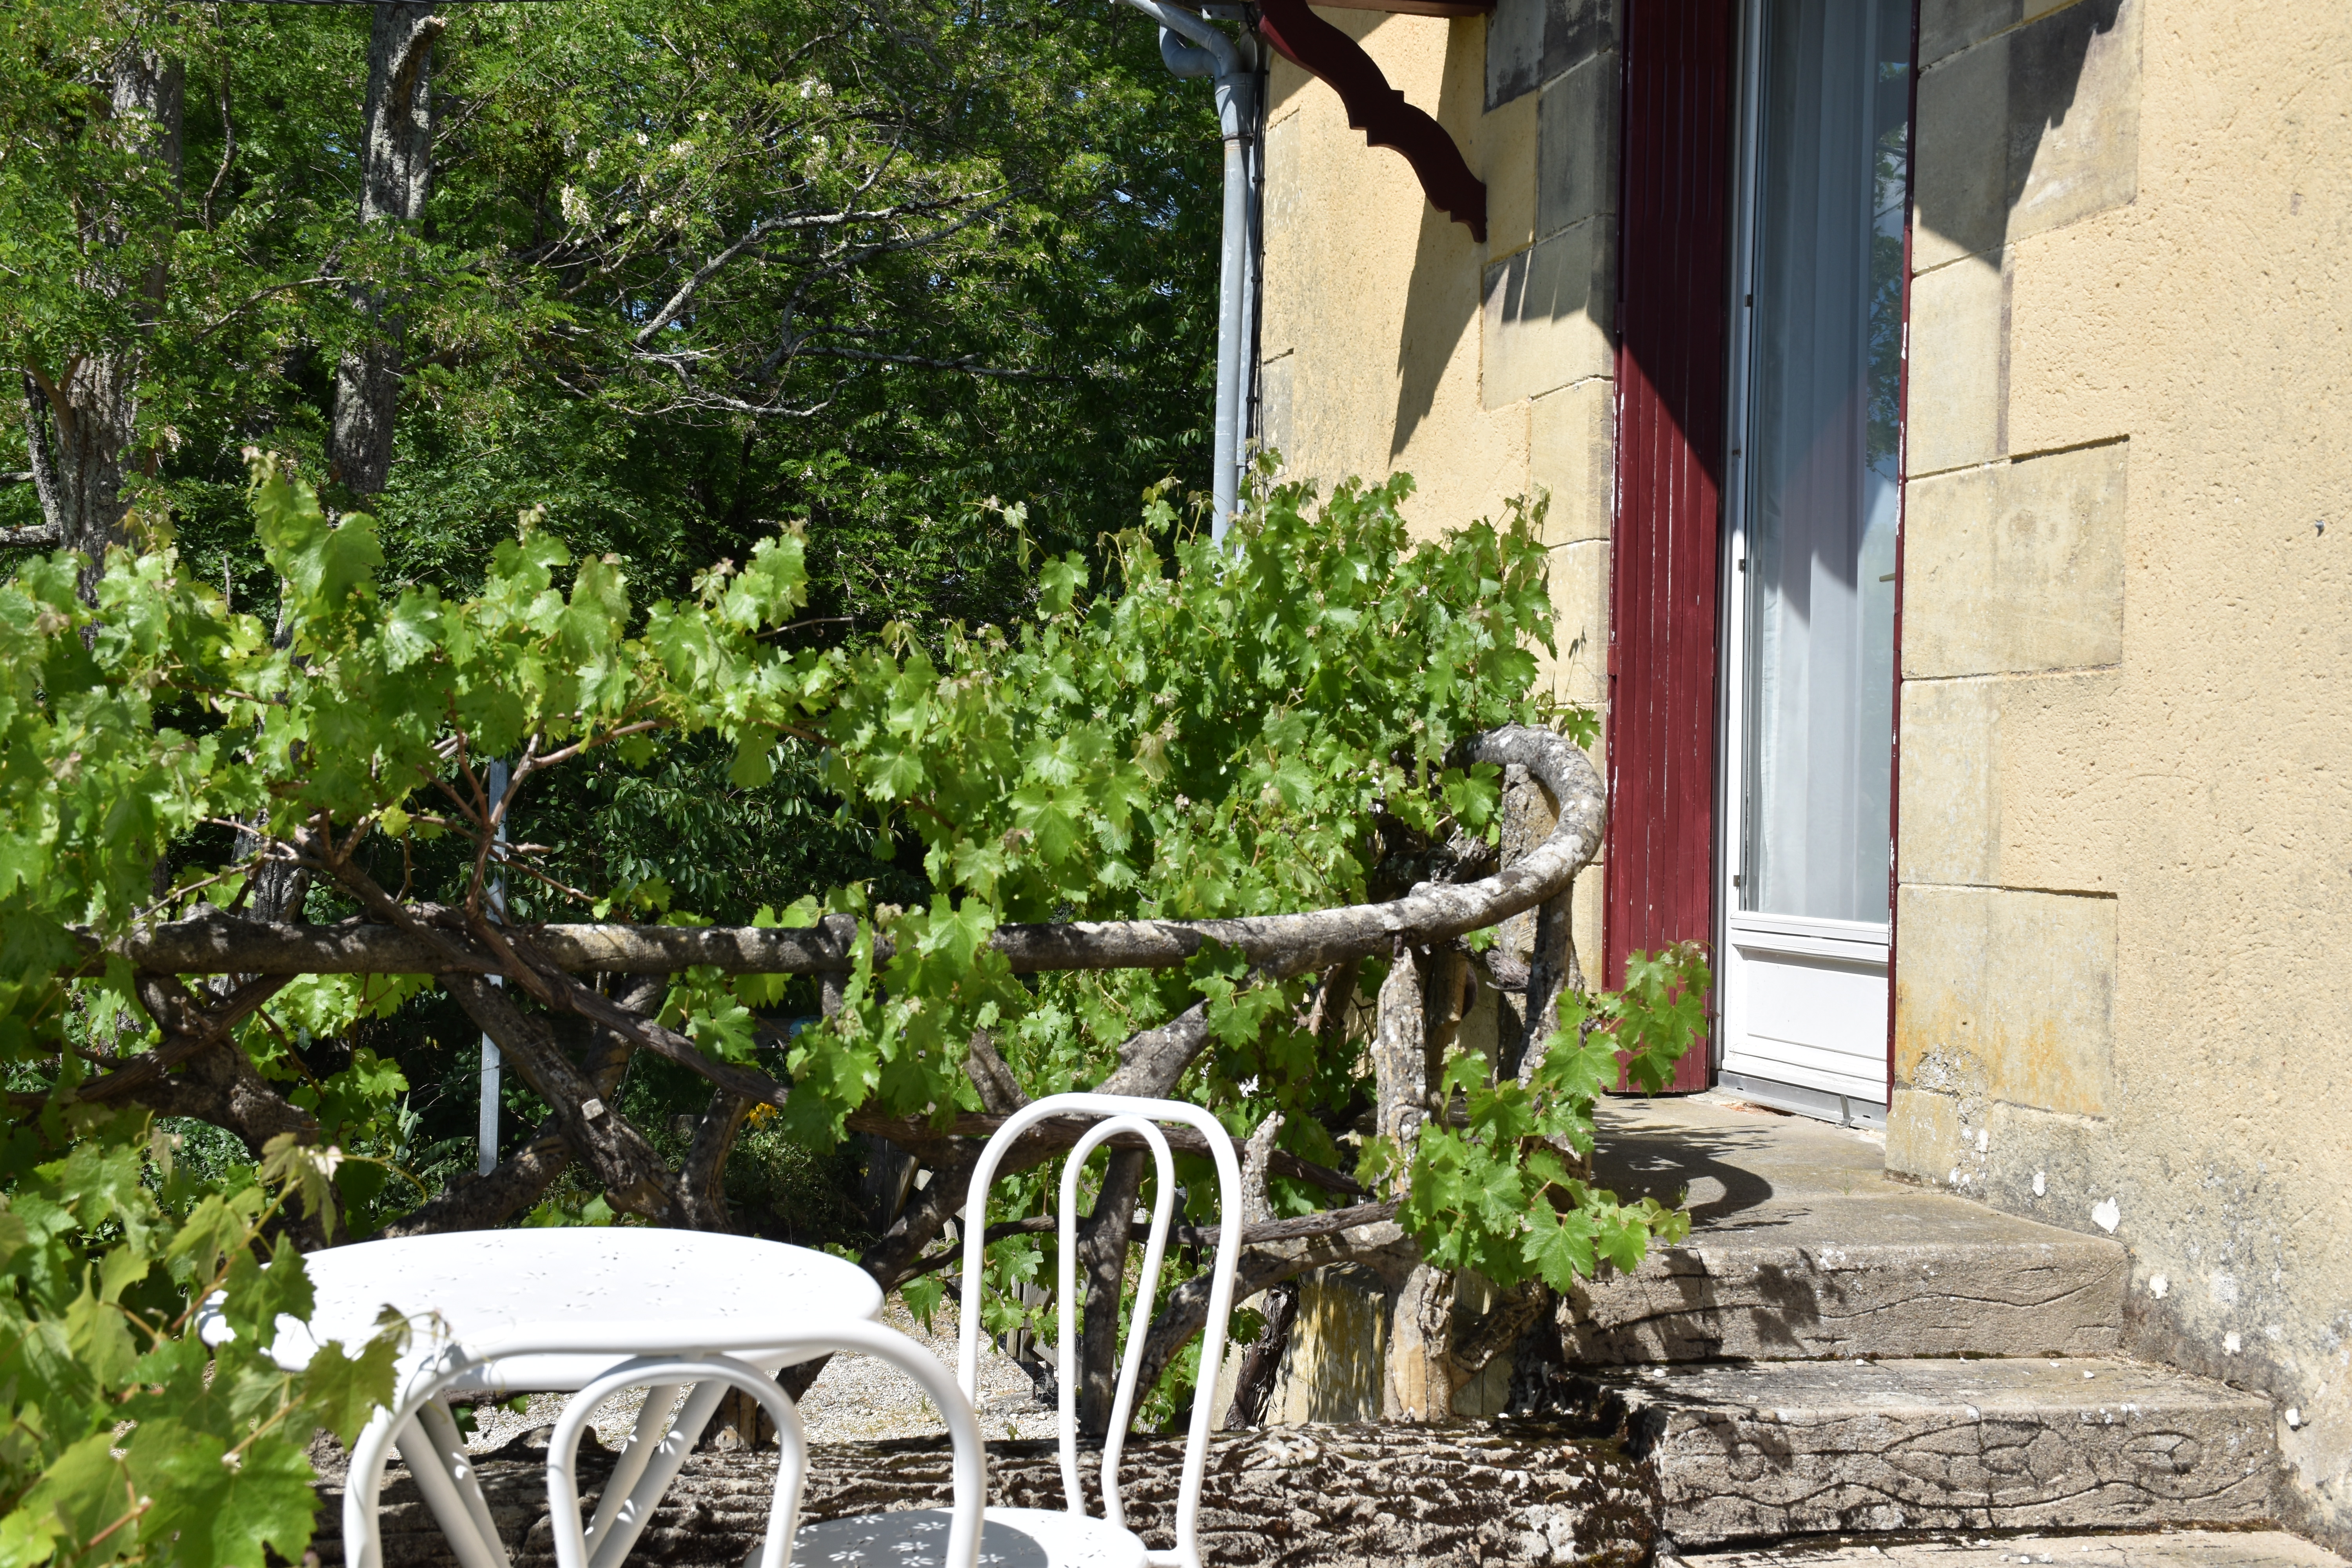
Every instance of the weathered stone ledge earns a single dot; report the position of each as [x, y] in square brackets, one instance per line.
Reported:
[1313, 1497]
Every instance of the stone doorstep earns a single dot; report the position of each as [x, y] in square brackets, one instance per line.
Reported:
[2041, 1291]
[1755, 1450]
[2154, 1549]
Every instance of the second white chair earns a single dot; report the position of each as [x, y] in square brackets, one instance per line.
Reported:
[1039, 1537]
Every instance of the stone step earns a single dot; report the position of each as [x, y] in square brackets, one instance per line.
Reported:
[1958, 1280]
[1801, 1248]
[2152, 1549]
[1753, 1450]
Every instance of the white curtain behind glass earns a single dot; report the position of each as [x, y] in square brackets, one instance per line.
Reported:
[1822, 457]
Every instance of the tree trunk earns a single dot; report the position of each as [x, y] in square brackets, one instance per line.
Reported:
[1103, 1239]
[396, 178]
[634, 1178]
[80, 452]
[1254, 1378]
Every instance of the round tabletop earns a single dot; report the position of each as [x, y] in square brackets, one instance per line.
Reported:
[496, 1283]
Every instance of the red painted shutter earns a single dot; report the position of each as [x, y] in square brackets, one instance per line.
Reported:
[1674, 217]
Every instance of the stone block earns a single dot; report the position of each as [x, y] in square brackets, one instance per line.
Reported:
[1572, 455]
[1332, 1368]
[1515, 49]
[1923, 1135]
[1345, 1496]
[1507, 161]
[1548, 314]
[2034, 128]
[1531, 42]
[1947, 27]
[2012, 1289]
[1950, 816]
[2013, 781]
[1576, 31]
[1959, 365]
[2016, 566]
[2036, 1165]
[1576, 143]
[2008, 990]
[1579, 592]
[1587, 901]
[1755, 1450]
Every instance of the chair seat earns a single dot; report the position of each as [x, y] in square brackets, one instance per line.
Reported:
[917, 1538]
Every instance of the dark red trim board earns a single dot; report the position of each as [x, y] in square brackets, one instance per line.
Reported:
[1671, 297]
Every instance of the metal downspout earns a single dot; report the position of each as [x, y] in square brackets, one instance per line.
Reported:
[1191, 46]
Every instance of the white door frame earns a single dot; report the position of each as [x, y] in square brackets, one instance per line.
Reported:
[1834, 971]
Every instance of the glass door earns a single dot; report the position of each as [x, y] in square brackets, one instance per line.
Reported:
[1816, 452]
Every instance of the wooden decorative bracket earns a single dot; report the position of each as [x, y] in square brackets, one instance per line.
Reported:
[1378, 109]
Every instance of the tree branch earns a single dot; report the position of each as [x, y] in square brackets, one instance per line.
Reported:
[188, 1028]
[920, 1134]
[1278, 945]
[634, 1175]
[1377, 1243]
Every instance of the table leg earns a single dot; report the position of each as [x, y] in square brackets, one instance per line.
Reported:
[652, 1417]
[363, 1487]
[662, 1464]
[446, 1479]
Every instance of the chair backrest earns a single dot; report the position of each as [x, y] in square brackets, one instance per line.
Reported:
[1115, 1114]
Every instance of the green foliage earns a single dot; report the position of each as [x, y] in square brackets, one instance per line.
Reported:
[130, 1439]
[1207, 733]
[960, 254]
[1497, 1194]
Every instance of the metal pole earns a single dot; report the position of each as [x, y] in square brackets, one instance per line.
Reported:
[487, 1160]
[1191, 46]
[1236, 96]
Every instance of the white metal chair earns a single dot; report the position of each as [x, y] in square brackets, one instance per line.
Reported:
[1038, 1538]
[669, 1354]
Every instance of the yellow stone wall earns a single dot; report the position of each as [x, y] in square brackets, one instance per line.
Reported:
[2125, 853]
[2126, 850]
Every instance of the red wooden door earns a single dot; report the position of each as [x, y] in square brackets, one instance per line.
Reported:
[1671, 307]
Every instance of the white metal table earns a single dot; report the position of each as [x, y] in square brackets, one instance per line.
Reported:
[592, 1311]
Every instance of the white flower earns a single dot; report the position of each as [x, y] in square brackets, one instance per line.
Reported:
[576, 207]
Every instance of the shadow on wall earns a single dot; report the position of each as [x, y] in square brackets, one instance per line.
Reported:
[1441, 298]
[1547, 309]
[2024, 128]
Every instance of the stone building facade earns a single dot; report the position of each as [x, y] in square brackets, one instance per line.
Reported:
[2094, 263]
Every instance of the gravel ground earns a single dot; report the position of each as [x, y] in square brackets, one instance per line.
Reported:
[856, 1399]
